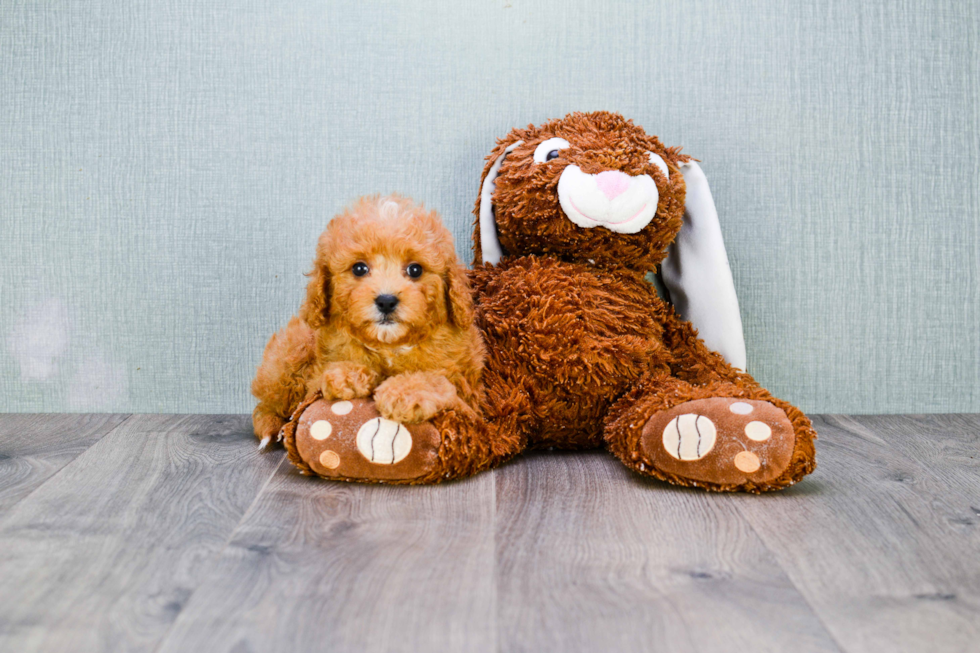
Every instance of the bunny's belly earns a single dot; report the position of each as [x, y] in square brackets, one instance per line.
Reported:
[570, 339]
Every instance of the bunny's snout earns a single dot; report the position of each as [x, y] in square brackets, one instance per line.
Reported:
[610, 199]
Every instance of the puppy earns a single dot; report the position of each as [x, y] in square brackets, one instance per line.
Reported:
[388, 314]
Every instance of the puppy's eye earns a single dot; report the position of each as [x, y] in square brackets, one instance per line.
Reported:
[414, 270]
[360, 269]
[658, 161]
[549, 149]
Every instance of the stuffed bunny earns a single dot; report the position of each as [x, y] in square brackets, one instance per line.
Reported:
[581, 350]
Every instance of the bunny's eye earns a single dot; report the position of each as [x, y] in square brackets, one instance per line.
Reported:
[658, 161]
[414, 270]
[549, 149]
[360, 269]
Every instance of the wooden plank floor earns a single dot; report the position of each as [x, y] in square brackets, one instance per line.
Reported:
[173, 533]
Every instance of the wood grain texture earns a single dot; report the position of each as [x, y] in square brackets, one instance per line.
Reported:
[949, 445]
[593, 558]
[105, 554]
[35, 447]
[883, 540]
[333, 566]
[174, 534]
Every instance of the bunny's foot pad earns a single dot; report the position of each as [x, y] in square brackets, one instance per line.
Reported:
[350, 440]
[721, 440]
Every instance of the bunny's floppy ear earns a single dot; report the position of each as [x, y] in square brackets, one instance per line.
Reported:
[490, 250]
[697, 275]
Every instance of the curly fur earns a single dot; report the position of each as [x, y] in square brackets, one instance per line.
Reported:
[529, 218]
[429, 357]
[582, 351]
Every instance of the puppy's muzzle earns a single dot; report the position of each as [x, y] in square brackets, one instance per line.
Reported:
[386, 304]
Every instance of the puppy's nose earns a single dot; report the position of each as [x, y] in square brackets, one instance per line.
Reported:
[386, 303]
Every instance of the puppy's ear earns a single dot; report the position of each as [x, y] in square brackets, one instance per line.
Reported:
[459, 299]
[315, 310]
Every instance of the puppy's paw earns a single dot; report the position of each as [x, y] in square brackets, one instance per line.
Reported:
[347, 380]
[266, 425]
[415, 397]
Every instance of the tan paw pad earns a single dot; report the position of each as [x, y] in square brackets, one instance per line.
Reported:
[330, 459]
[383, 441]
[689, 437]
[758, 431]
[321, 429]
[341, 407]
[747, 462]
[740, 408]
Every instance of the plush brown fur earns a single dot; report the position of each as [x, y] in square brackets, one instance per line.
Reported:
[529, 219]
[582, 351]
[427, 360]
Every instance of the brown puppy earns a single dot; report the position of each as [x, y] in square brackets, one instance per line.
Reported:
[388, 313]
[581, 350]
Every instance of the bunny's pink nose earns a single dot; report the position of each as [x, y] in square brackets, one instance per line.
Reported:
[612, 183]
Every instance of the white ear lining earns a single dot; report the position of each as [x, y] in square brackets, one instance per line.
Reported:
[490, 250]
[658, 161]
[697, 275]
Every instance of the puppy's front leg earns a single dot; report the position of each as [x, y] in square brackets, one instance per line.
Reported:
[414, 397]
[347, 380]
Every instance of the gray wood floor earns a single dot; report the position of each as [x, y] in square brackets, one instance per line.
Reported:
[173, 533]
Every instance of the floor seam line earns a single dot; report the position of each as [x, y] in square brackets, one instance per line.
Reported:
[10, 509]
[219, 553]
[789, 577]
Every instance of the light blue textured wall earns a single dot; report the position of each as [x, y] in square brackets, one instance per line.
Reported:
[166, 166]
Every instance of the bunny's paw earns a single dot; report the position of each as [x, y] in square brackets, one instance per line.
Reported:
[721, 440]
[349, 440]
